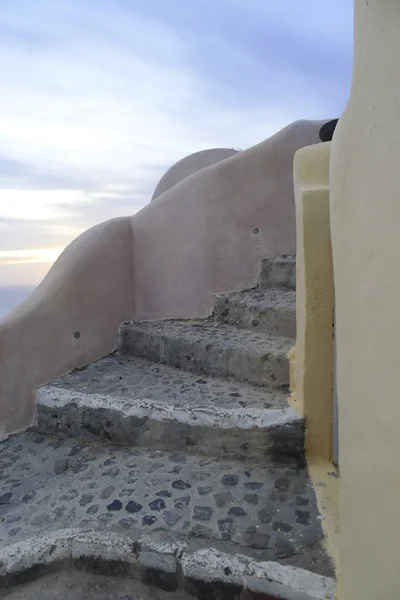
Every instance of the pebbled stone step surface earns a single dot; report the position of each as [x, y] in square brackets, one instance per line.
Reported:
[131, 377]
[278, 272]
[51, 483]
[271, 311]
[204, 346]
[131, 401]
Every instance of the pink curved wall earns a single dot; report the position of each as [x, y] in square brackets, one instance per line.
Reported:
[88, 291]
[200, 237]
[189, 165]
[207, 234]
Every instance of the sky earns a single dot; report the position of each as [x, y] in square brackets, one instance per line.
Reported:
[99, 98]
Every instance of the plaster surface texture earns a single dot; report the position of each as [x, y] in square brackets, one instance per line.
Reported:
[313, 377]
[68, 321]
[365, 224]
[205, 235]
[209, 232]
[189, 165]
[314, 298]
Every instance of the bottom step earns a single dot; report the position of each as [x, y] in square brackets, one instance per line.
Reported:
[79, 584]
[51, 483]
[88, 565]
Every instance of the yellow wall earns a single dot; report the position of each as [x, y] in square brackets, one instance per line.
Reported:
[312, 381]
[314, 301]
[365, 227]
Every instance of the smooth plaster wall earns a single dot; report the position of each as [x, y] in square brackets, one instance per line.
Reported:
[189, 165]
[208, 233]
[70, 320]
[314, 354]
[314, 298]
[205, 235]
[365, 226]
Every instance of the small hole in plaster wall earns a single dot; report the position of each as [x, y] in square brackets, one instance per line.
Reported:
[256, 230]
[77, 335]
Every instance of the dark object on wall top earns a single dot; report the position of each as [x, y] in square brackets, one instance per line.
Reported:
[326, 131]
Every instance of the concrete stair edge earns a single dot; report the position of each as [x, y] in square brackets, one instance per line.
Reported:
[264, 366]
[169, 562]
[278, 272]
[246, 433]
[270, 311]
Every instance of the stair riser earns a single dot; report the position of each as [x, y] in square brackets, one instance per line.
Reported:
[277, 273]
[259, 370]
[281, 444]
[280, 322]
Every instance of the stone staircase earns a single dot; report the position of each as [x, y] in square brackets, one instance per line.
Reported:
[185, 435]
[215, 386]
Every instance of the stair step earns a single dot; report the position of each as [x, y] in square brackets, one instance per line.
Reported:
[205, 346]
[278, 272]
[271, 311]
[131, 401]
[68, 486]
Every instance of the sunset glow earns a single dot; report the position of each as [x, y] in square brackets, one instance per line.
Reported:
[100, 98]
[21, 257]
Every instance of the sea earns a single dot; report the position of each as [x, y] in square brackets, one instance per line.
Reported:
[11, 295]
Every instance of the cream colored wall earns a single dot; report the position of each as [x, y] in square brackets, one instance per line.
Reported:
[314, 340]
[365, 223]
[314, 298]
[189, 165]
[205, 235]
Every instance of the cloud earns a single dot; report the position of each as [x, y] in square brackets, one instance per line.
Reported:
[100, 97]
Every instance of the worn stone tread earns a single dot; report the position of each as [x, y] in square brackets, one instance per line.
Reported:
[205, 346]
[271, 311]
[130, 401]
[278, 272]
[53, 483]
[131, 378]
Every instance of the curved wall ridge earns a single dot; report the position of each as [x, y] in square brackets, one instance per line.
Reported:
[189, 165]
[208, 232]
[206, 235]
